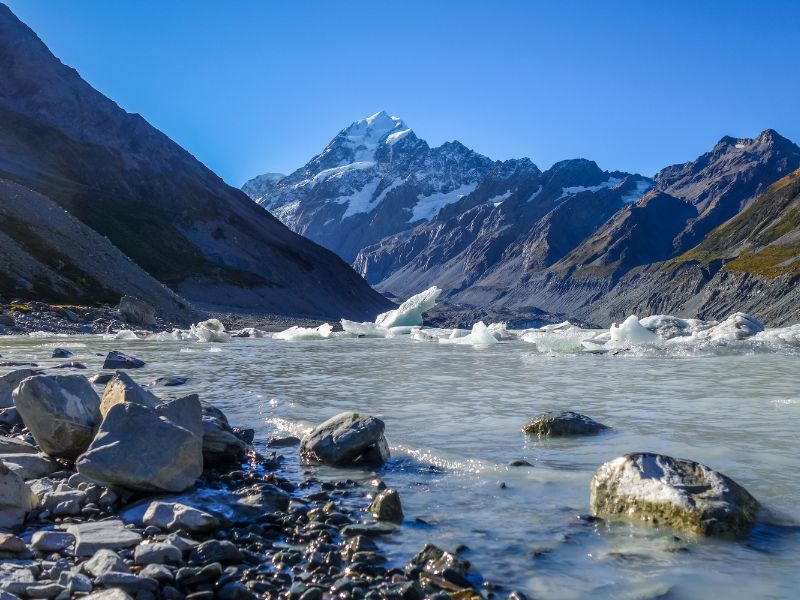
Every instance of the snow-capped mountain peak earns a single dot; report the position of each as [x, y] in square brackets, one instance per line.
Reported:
[365, 135]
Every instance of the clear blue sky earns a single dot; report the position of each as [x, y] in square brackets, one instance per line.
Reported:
[252, 86]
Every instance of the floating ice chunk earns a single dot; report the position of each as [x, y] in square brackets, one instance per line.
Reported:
[421, 335]
[500, 331]
[479, 336]
[562, 338]
[736, 327]
[122, 334]
[295, 333]
[668, 327]
[249, 332]
[364, 329]
[410, 312]
[210, 331]
[631, 333]
[781, 335]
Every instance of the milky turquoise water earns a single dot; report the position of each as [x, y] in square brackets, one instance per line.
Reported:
[453, 416]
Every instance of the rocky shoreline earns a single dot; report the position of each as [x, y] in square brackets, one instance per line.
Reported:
[135, 496]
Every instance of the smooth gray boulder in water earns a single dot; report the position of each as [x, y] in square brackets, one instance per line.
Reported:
[346, 438]
[672, 492]
[119, 360]
[10, 381]
[16, 499]
[137, 311]
[387, 507]
[137, 449]
[554, 424]
[61, 411]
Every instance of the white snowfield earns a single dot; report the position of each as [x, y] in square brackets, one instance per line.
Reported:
[660, 335]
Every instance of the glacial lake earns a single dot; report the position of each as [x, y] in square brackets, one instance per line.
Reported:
[453, 415]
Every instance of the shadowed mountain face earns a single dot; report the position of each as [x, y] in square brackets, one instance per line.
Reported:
[159, 205]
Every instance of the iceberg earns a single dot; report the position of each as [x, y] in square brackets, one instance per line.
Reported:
[738, 326]
[295, 333]
[364, 329]
[409, 313]
[210, 331]
[631, 333]
[479, 336]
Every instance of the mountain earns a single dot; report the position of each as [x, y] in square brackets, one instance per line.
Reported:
[46, 253]
[374, 179]
[575, 241]
[153, 200]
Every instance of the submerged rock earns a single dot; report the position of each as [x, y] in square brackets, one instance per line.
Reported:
[386, 506]
[672, 492]
[61, 353]
[556, 424]
[120, 360]
[61, 411]
[137, 449]
[346, 438]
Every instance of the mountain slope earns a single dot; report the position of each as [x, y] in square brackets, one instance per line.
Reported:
[152, 199]
[47, 254]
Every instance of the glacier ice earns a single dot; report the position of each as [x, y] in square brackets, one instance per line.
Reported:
[364, 329]
[211, 330]
[295, 333]
[631, 333]
[479, 336]
[410, 312]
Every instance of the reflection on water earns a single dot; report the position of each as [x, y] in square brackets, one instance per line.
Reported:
[453, 416]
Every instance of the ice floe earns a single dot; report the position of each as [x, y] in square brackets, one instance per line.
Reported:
[323, 332]
[211, 330]
[479, 336]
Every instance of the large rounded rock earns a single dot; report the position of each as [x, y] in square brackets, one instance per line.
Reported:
[138, 449]
[220, 444]
[345, 439]
[555, 424]
[61, 411]
[672, 492]
[16, 499]
[122, 388]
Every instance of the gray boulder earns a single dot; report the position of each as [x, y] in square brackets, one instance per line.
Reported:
[387, 507]
[345, 439]
[137, 312]
[672, 492]
[174, 515]
[61, 411]
[16, 499]
[554, 424]
[220, 443]
[9, 445]
[102, 535]
[122, 388]
[119, 360]
[112, 594]
[30, 466]
[104, 561]
[137, 449]
[157, 553]
[10, 381]
[47, 542]
[441, 568]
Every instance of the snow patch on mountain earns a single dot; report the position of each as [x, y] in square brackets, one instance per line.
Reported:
[428, 207]
[365, 135]
[577, 189]
[335, 172]
[642, 187]
[499, 199]
[360, 201]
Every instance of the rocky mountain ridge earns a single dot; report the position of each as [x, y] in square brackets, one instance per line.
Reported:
[523, 242]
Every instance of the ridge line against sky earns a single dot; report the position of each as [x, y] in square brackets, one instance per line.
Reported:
[259, 87]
